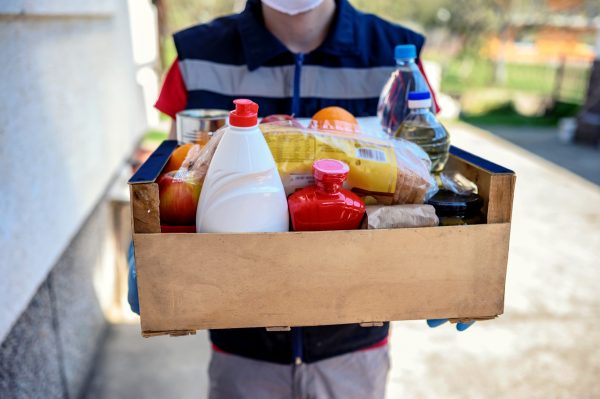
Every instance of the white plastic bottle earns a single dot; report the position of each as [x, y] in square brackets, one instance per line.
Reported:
[242, 191]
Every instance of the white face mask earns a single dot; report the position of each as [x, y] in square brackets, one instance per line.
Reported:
[292, 7]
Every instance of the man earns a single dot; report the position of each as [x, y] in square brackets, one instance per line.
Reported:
[314, 54]
[291, 57]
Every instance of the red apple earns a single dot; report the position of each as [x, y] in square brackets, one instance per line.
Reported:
[291, 121]
[178, 199]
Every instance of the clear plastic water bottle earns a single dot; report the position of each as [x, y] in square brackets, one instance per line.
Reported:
[423, 129]
[393, 105]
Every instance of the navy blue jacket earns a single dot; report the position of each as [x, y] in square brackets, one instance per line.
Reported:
[236, 56]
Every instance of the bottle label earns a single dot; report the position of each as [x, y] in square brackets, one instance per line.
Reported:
[372, 162]
[298, 181]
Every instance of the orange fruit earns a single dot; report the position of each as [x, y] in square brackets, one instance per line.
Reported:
[177, 157]
[336, 119]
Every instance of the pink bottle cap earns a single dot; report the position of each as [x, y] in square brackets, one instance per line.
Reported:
[330, 169]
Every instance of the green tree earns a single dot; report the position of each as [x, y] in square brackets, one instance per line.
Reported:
[174, 15]
[412, 12]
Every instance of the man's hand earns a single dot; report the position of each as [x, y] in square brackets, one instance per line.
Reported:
[132, 295]
[459, 326]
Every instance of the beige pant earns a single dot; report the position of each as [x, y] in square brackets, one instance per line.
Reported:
[360, 375]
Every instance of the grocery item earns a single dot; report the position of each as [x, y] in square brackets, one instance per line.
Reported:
[393, 101]
[326, 205]
[166, 228]
[200, 164]
[422, 128]
[457, 183]
[285, 119]
[177, 157]
[179, 189]
[400, 216]
[391, 171]
[196, 125]
[335, 119]
[242, 191]
[178, 197]
[453, 209]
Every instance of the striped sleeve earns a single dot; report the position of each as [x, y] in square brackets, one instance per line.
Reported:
[173, 94]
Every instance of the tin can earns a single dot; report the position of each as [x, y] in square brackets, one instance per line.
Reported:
[197, 125]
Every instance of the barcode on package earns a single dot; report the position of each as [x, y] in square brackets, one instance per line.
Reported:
[371, 154]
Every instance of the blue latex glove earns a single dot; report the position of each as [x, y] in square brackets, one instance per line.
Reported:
[459, 326]
[132, 295]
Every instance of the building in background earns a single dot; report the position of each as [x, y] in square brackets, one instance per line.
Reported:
[545, 42]
[77, 84]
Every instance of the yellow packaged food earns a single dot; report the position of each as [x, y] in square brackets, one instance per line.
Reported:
[391, 171]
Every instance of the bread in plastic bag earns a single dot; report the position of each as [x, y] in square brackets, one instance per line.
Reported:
[393, 171]
[202, 161]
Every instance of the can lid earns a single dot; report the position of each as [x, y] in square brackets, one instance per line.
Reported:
[330, 169]
[419, 99]
[448, 203]
[245, 113]
[405, 51]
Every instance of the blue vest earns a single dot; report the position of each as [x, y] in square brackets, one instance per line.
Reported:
[237, 57]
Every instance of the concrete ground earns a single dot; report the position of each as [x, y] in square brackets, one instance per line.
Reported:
[130, 366]
[545, 345]
[580, 159]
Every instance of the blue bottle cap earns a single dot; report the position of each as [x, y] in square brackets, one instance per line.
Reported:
[419, 95]
[405, 51]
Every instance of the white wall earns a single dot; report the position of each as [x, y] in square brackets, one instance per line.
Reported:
[71, 111]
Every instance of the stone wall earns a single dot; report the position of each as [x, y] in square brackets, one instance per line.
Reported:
[72, 110]
[51, 349]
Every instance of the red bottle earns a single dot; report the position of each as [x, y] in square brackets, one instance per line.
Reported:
[326, 205]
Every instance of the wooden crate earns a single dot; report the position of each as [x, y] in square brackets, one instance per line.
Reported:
[189, 282]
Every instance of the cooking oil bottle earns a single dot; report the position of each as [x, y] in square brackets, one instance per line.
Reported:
[422, 128]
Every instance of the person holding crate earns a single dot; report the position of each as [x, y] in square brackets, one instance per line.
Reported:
[273, 52]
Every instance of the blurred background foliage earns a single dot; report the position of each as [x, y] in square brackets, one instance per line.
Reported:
[528, 60]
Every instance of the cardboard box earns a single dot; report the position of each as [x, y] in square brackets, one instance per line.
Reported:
[189, 282]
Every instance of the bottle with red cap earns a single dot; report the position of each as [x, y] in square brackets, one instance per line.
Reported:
[326, 205]
[242, 191]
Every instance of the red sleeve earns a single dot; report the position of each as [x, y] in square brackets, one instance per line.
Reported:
[433, 96]
[173, 94]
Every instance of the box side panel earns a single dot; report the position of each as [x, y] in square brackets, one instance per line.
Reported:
[496, 189]
[481, 163]
[198, 281]
[145, 208]
[500, 198]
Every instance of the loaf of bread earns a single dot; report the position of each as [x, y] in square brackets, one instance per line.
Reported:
[393, 171]
[413, 178]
